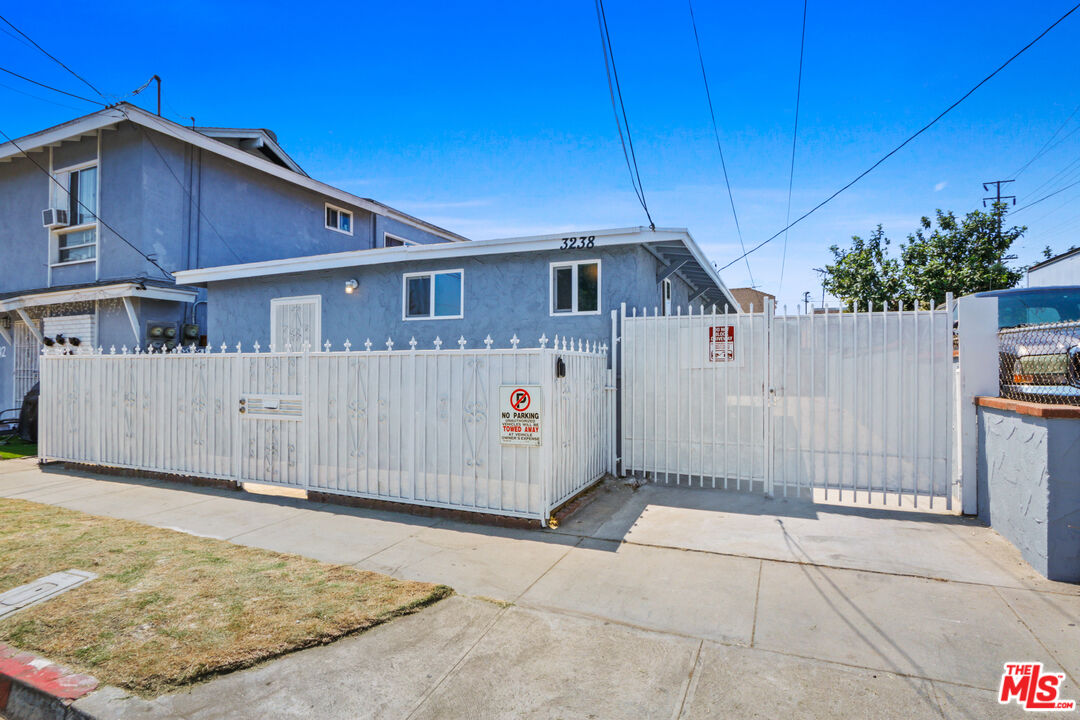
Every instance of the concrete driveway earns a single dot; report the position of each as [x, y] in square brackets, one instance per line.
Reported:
[651, 602]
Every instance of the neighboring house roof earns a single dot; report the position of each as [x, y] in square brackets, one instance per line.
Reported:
[674, 247]
[120, 112]
[750, 297]
[257, 141]
[1056, 258]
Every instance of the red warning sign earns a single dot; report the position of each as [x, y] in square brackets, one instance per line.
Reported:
[520, 399]
[722, 343]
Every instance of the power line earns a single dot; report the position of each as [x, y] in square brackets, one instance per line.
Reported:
[794, 141]
[1045, 146]
[611, 71]
[899, 147]
[38, 97]
[716, 134]
[53, 57]
[50, 87]
[84, 207]
[1063, 172]
[1046, 197]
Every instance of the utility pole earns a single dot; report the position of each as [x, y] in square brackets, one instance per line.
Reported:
[998, 197]
[806, 302]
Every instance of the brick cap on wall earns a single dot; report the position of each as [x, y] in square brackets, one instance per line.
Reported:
[1022, 407]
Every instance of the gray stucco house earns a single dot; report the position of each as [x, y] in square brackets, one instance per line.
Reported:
[97, 214]
[565, 284]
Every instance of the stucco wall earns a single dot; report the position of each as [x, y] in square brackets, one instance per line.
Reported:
[503, 294]
[1029, 487]
[24, 193]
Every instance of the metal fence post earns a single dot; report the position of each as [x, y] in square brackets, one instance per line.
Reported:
[977, 326]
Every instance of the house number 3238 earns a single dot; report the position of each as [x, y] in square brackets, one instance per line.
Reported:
[582, 242]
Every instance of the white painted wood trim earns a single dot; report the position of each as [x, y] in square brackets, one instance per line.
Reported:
[99, 292]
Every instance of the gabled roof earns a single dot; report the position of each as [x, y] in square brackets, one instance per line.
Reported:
[257, 141]
[114, 114]
[673, 247]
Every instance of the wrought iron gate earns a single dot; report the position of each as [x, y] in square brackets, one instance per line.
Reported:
[843, 406]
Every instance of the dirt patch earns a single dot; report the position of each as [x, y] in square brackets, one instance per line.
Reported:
[169, 608]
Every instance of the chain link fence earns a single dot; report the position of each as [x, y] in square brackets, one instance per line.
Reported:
[1041, 363]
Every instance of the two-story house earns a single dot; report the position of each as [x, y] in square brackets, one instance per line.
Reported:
[97, 214]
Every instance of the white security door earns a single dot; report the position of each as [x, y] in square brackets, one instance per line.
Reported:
[27, 350]
[296, 321]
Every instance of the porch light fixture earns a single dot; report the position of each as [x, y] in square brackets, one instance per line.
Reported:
[350, 286]
[5, 322]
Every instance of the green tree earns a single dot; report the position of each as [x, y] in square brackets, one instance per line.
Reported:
[864, 273]
[945, 255]
[960, 256]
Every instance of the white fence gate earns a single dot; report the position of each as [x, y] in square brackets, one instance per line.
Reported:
[850, 406]
[412, 426]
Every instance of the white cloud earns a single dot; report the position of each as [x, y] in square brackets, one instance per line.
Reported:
[940, 186]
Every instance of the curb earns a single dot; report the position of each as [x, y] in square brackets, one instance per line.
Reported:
[33, 688]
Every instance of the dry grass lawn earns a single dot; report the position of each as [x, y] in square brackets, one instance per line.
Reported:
[169, 608]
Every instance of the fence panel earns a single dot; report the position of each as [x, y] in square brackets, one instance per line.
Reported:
[413, 426]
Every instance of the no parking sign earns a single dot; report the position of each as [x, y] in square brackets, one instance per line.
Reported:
[520, 415]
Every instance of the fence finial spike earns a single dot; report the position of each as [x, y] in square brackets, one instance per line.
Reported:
[237, 347]
[326, 346]
[389, 344]
[488, 341]
[412, 343]
[348, 345]
[288, 347]
[543, 340]
[112, 349]
[514, 341]
[461, 342]
[256, 346]
[438, 343]
[367, 345]
[138, 350]
[305, 346]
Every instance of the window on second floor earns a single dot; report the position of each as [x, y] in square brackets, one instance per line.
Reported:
[395, 241]
[338, 219]
[78, 192]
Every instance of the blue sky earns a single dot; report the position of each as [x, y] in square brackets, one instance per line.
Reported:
[493, 119]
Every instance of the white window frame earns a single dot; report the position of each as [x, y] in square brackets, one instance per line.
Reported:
[665, 296]
[574, 281]
[275, 305]
[402, 240]
[431, 301]
[350, 213]
[55, 194]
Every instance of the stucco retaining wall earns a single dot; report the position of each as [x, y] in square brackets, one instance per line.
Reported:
[1029, 486]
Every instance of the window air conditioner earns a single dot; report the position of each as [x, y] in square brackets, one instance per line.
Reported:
[54, 218]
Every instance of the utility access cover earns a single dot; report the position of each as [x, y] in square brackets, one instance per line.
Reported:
[40, 590]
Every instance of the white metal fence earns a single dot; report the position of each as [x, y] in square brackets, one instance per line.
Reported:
[855, 405]
[413, 426]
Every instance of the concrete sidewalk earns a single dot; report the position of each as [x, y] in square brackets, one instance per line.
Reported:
[655, 602]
